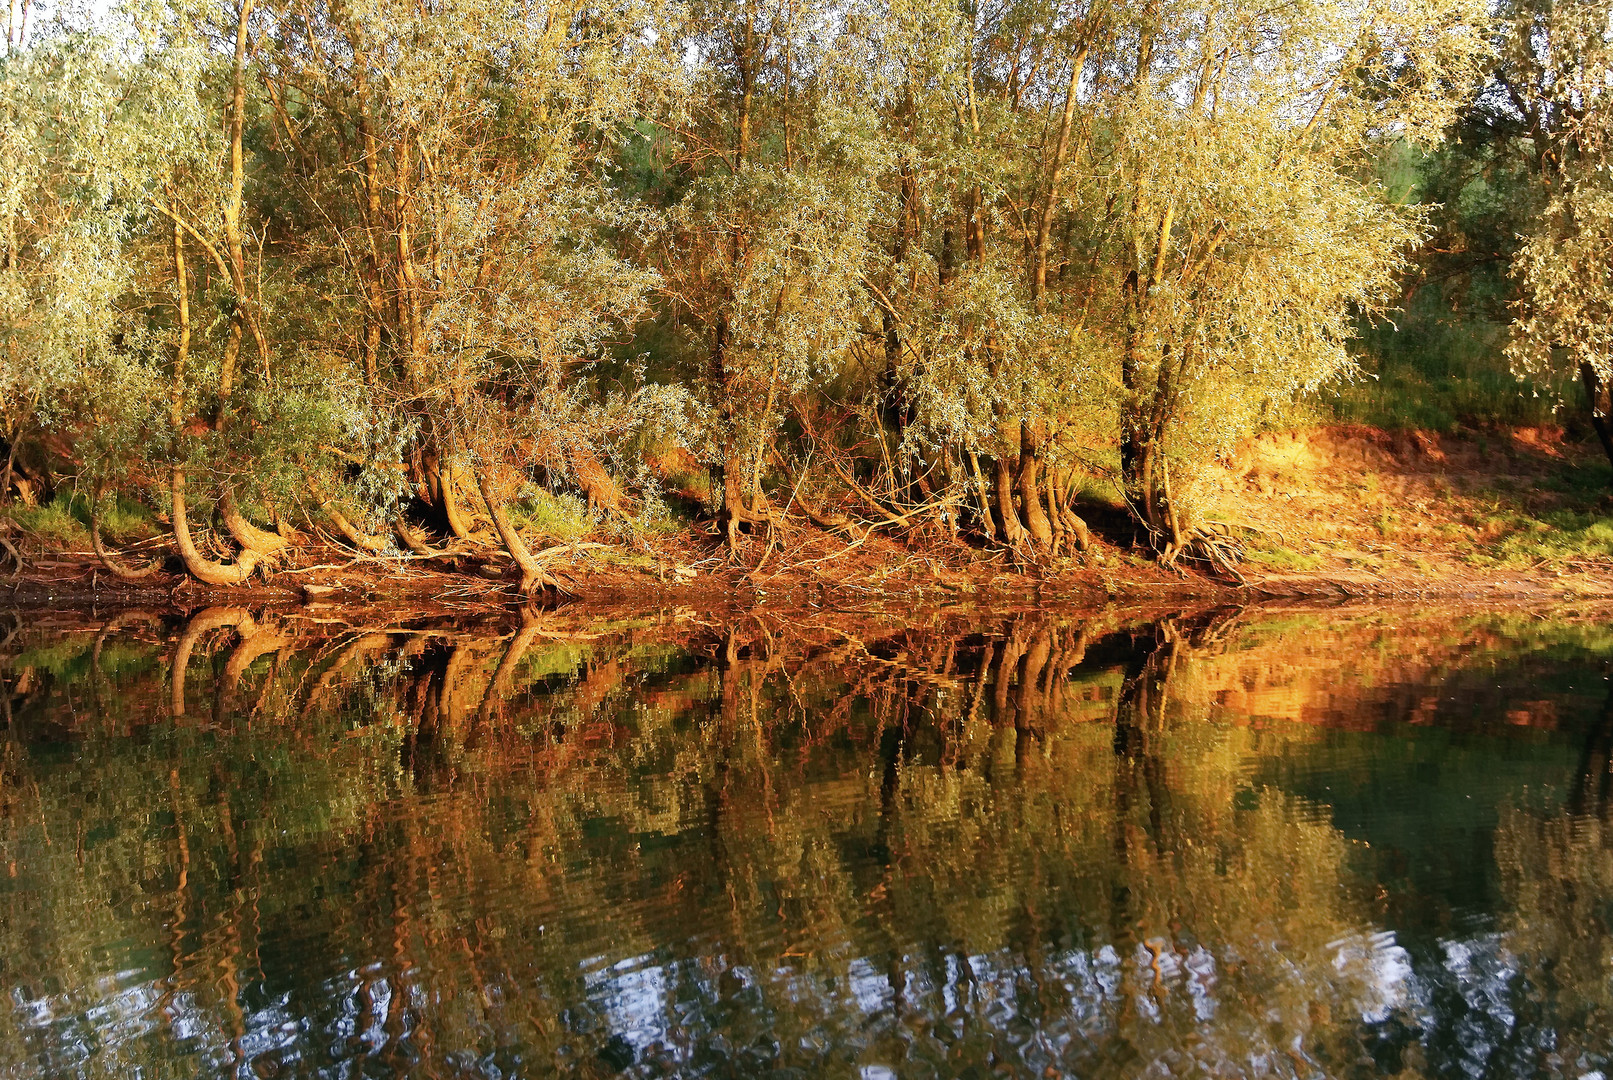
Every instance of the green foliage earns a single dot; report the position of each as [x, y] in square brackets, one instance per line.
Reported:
[1556, 536]
[562, 518]
[65, 520]
[1440, 370]
[1275, 556]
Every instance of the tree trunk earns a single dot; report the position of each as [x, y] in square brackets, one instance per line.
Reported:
[412, 538]
[352, 533]
[241, 315]
[1037, 525]
[1081, 537]
[267, 544]
[1133, 451]
[450, 503]
[370, 272]
[1013, 532]
[1145, 417]
[730, 468]
[283, 529]
[732, 478]
[983, 491]
[430, 478]
[201, 567]
[1054, 490]
[1044, 220]
[1600, 396]
[408, 298]
[204, 569]
[532, 572]
[733, 500]
[113, 566]
[11, 461]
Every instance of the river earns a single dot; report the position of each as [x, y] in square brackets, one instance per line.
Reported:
[1339, 843]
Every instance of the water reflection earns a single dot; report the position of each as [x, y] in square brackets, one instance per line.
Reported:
[1221, 844]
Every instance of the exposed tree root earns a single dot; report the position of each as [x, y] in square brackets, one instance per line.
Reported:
[114, 567]
[18, 563]
[1212, 543]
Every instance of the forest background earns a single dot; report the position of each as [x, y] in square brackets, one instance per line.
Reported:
[440, 277]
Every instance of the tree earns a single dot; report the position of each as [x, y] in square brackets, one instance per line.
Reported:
[1558, 62]
[769, 248]
[489, 274]
[1239, 239]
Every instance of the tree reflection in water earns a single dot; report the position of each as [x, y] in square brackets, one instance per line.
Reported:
[1037, 846]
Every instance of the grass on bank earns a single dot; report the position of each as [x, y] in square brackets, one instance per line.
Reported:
[64, 522]
[1273, 555]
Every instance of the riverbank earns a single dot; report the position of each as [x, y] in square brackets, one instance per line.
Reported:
[1327, 513]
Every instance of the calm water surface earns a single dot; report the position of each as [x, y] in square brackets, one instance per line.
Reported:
[1256, 844]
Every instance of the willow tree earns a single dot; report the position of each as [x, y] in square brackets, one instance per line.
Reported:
[197, 191]
[974, 361]
[64, 229]
[1558, 63]
[1237, 239]
[995, 358]
[471, 145]
[770, 245]
[116, 141]
[1026, 119]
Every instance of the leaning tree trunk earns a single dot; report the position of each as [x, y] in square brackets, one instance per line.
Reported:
[352, 533]
[269, 546]
[532, 572]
